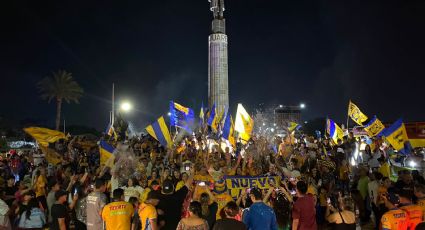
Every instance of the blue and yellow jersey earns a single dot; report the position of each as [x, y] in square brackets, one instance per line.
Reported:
[395, 219]
[414, 213]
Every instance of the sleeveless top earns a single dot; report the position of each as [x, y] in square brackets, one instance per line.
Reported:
[343, 225]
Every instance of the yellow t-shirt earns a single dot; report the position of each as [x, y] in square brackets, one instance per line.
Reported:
[117, 215]
[147, 212]
[40, 186]
[323, 199]
[198, 190]
[222, 200]
[231, 172]
[343, 172]
[395, 219]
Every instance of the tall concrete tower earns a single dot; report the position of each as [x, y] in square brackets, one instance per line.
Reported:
[218, 86]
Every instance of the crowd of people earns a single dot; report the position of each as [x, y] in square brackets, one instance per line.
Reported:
[145, 186]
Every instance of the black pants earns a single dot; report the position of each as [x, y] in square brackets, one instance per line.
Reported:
[80, 225]
[377, 214]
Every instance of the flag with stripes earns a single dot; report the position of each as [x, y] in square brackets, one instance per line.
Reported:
[159, 131]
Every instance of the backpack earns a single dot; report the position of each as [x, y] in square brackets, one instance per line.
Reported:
[81, 210]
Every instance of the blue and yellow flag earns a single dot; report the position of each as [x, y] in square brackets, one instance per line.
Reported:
[212, 119]
[374, 127]
[159, 131]
[181, 116]
[44, 136]
[111, 131]
[334, 131]
[293, 126]
[106, 152]
[355, 114]
[396, 135]
[229, 130]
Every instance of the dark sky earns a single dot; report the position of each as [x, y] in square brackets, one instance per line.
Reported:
[321, 52]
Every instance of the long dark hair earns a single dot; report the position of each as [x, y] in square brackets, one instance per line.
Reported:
[204, 200]
[195, 208]
[282, 208]
[33, 203]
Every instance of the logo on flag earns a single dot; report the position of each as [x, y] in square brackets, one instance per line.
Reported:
[374, 127]
[355, 114]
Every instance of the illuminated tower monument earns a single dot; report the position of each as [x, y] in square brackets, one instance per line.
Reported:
[218, 86]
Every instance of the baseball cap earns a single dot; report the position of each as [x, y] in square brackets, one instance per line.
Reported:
[393, 198]
[167, 187]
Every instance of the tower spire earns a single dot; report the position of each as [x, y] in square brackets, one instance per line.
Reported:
[218, 23]
[218, 87]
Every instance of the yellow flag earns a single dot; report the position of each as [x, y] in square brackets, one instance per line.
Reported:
[51, 155]
[243, 123]
[355, 114]
[374, 127]
[44, 136]
[293, 126]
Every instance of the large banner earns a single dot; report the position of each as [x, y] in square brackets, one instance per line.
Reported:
[235, 184]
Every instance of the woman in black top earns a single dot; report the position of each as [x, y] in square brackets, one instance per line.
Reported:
[342, 217]
[231, 210]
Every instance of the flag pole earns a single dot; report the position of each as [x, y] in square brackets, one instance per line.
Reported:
[348, 119]
[348, 116]
[113, 105]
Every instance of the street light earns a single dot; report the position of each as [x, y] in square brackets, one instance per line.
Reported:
[302, 106]
[169, 114]
[126, 106]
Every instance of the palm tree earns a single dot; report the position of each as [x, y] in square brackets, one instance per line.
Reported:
[61, 86]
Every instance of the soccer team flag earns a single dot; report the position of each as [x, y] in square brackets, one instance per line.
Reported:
[374, 127]
[44, 136]
[229, 130]
[52, 157]
[213, 119]
[106, 152]
[159, 131]
[111, 131]
[334, 131]
[244, 124]
[396, 135]
[355, 114]
[293, 126]
[181, 116]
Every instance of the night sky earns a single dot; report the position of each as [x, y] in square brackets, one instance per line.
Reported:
[320, 52]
